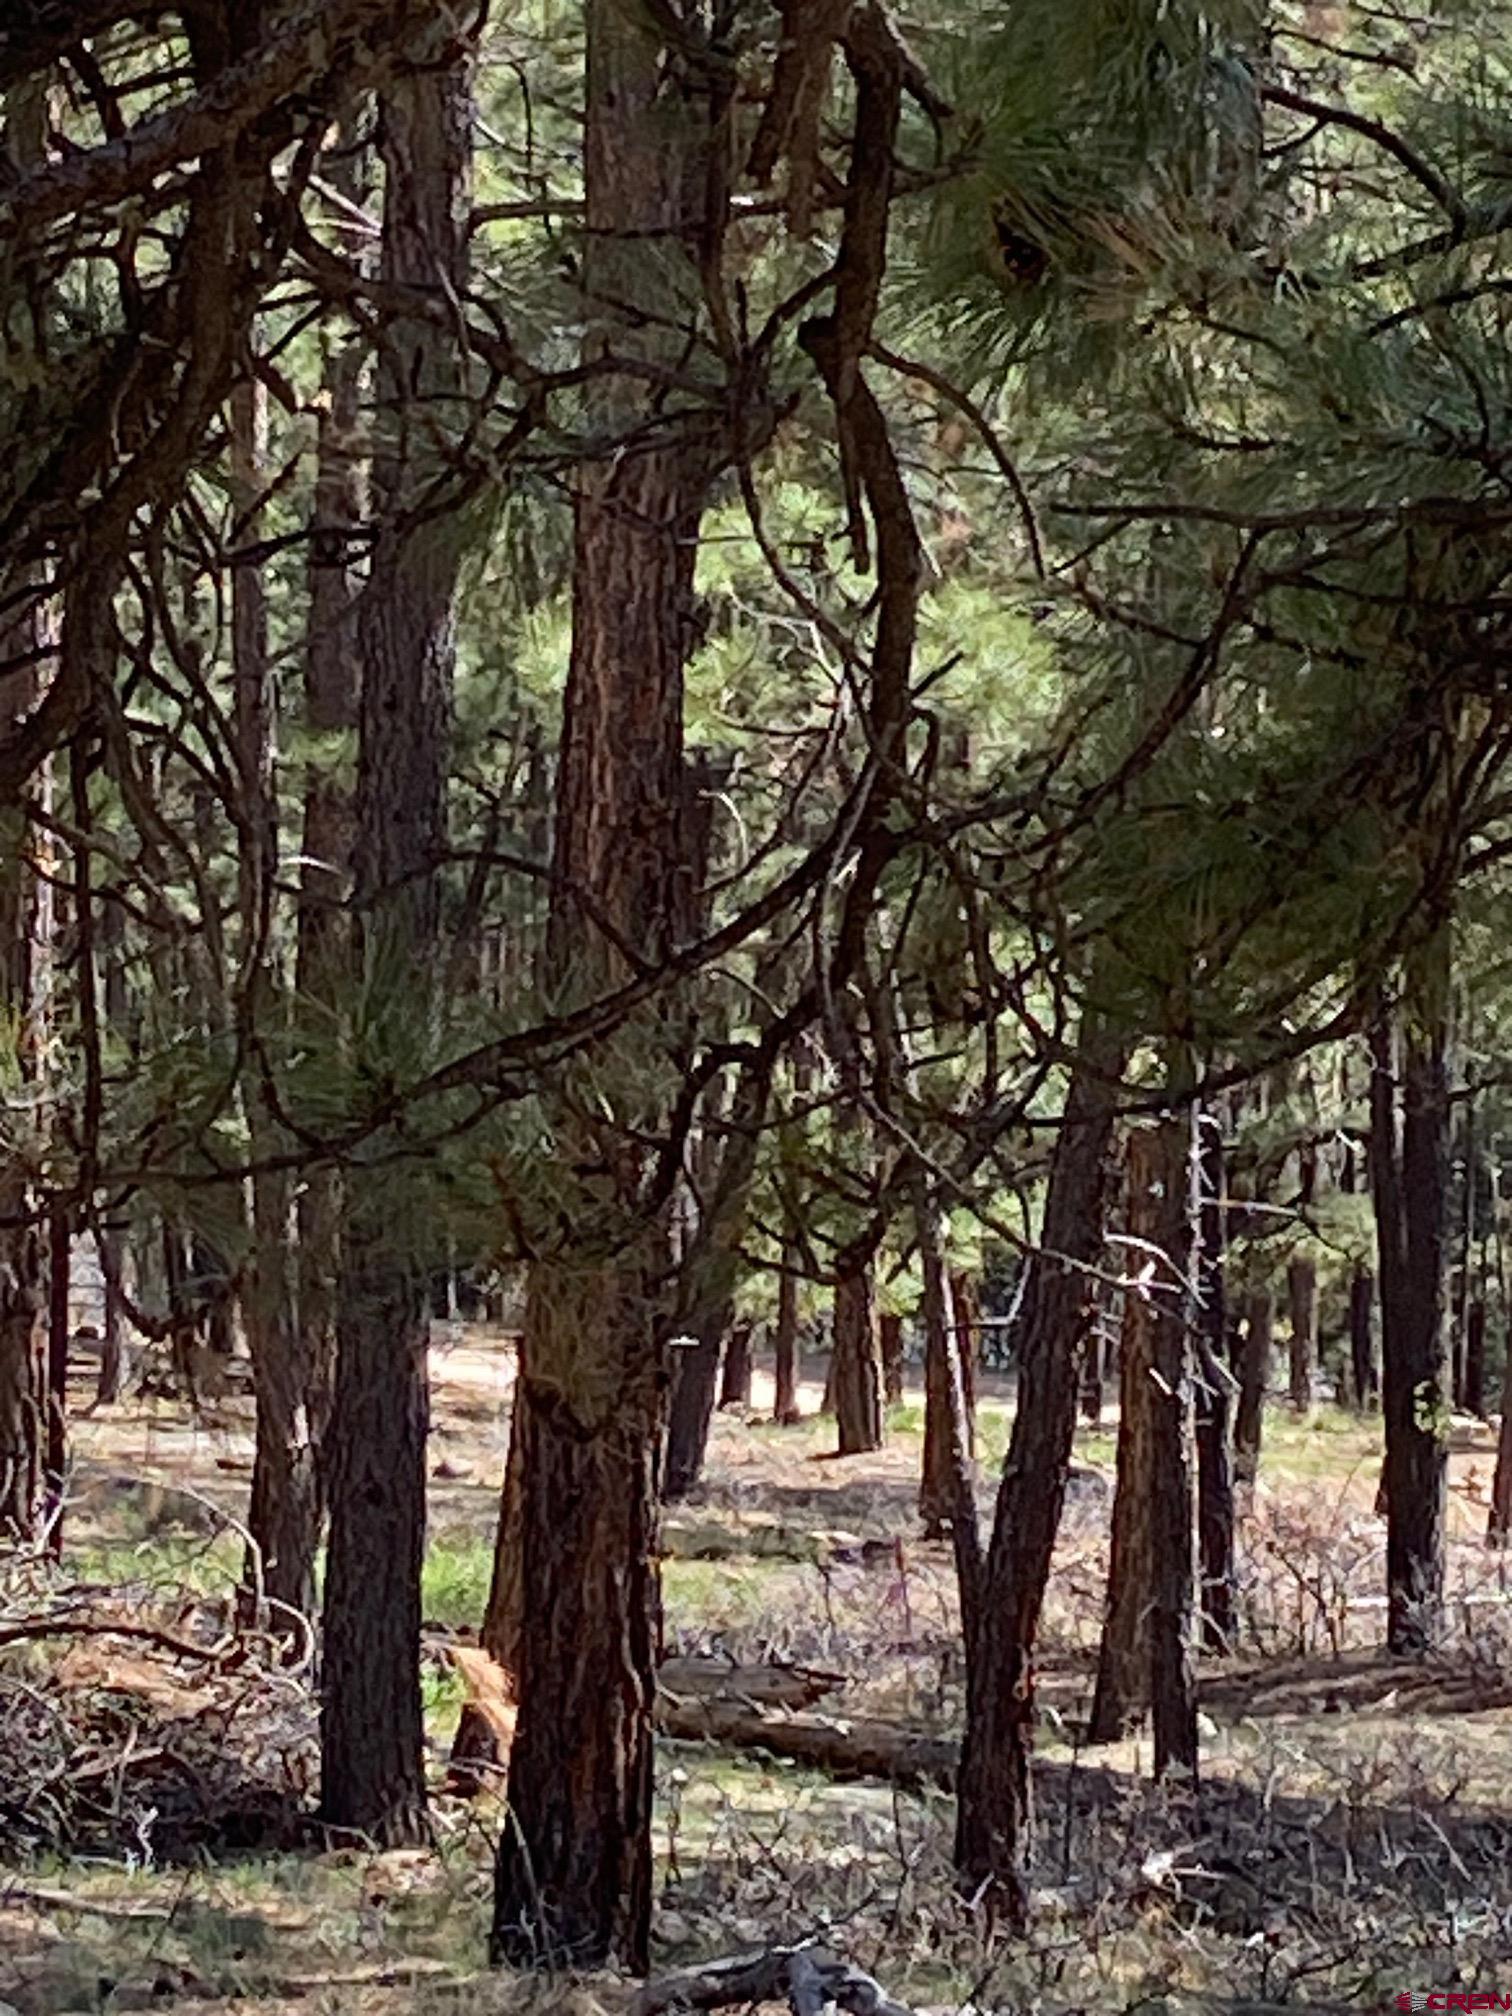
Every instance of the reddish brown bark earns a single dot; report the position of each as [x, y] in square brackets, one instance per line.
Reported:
[1145, 1657]
[573, 1879]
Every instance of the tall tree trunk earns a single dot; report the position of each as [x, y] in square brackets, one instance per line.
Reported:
[1214, 1402]
[573, 1881]
[282, 1520]
[994, 1812]
[372, 1747]
[785, 1409]
[1254, 1377]
[324, 972]
[735, 1385]
[1145, 1656]
[856, 1363]
[1364, 1377]
[23, 896]
[1410, 1184]
[1302, 1307]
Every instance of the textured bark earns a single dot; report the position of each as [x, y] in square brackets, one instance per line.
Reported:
[994, 1814]
[1302, 1306]
[785, 1343]
[949, 1407]
[1214, 1403]
[856, 1363]
[890, 1333]
[372, 1747]
[1254, 1377]
[1409, 1172]
[735, 1385]
[23, 1256]
[1145, 1656]
[1365, 1377]
[573, 1880]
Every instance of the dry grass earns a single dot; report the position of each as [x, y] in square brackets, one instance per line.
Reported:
[1351, 1841]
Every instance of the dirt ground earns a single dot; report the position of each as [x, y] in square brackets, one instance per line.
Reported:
[1349, 1843]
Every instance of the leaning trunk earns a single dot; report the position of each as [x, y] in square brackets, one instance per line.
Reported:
[372, 1738]
[994, 1814]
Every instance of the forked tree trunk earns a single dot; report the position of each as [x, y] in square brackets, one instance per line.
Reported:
[1409, 1172]
[785, 1409]
[574, 1875]
[1364, 1373]
[966, 1313]
[1255, 1354]
[1145, 1657]
[856, 1364]
[1214, 1404]
[1302, 1306]
[735, 1384]
[994, 1811]
[890, 1332]
[372, 1739]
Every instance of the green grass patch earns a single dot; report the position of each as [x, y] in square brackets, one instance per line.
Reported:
[454, 1581]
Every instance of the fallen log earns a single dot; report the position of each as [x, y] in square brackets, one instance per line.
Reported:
[843, 1749]
[806, 1977]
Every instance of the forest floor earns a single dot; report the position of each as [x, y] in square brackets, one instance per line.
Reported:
[1351, 1841]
